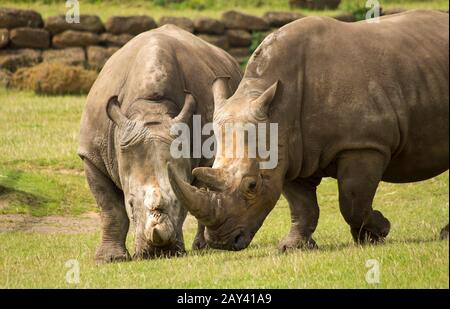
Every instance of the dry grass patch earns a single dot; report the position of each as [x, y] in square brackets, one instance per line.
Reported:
[54, 78]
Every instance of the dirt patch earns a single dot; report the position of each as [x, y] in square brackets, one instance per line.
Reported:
[87, 223]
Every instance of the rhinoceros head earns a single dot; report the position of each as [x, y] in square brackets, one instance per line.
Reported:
[235, 195]
[142, 142]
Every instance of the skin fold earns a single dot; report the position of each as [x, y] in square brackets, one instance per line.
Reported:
[160, 78]
[360, 102]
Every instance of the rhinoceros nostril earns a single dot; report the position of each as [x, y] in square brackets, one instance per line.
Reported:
[252, 185]
[240, 242]
[156, 238]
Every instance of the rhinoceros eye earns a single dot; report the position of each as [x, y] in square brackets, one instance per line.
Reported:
[132, 134]
[151, 123]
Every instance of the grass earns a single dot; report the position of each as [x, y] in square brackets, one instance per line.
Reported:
[411, 258]
[195, 8]
[40, 174]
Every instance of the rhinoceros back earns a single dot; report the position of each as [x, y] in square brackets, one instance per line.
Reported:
[381, 86]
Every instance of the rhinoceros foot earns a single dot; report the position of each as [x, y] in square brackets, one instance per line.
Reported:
[295, 242]
[199, 243]
[444, 233]
[374, 232]
[107, 254]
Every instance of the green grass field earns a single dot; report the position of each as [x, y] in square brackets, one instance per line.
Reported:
[41, 175]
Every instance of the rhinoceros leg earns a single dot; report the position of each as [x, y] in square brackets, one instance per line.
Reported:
[358, 174]
[302, 198]
[199, 240]
[114, 218]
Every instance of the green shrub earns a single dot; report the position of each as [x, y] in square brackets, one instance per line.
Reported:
[54, 78]
[257, 38]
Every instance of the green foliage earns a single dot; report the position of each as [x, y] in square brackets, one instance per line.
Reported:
[356, 8]
[257, 38]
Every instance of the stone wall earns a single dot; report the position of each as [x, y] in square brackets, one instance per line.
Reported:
[26, 39]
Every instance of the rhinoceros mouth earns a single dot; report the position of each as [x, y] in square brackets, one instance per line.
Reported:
[152, 252]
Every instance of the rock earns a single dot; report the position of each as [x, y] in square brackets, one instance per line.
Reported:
[129, 24]
[14, 18]
[237, 20]
[346, 18]
[97, 56]
[181, 22]
[239, 38]
[208, 25]
[67, 56]
[217, 40]
[279, 19]
[29, 38]
[315, 4]
[54, 78]
[14, 59]
[71, 38]
[88, 23]
[4, 37]
[5, 78]
[239, 53]
[114, 40]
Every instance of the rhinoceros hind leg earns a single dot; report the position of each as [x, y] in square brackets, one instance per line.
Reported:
[114, 218]
[359, 173]
[444, 233]
[302, 198]
[199, 240]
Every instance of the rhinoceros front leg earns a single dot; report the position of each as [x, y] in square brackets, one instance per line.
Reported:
[199, 240]
[302, 198]
[114, 218]
[358, 174]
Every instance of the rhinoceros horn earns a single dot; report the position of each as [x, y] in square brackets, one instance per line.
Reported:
[199, 202]
[221, 91]
[187, 110]
[213, 178]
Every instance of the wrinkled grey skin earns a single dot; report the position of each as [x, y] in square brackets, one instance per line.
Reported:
[358, 102]
[158, 79]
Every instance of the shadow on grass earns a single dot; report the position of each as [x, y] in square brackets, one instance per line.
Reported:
[263, 250]
[10, 195]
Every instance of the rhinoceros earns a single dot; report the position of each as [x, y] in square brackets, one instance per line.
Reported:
[158, 79]
[360, 102]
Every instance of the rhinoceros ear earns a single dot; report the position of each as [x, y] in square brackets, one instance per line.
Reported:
[187, 110]
[260, 106]
[221, 91]
[113, 111]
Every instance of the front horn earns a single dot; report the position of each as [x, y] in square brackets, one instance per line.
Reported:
[202, 204]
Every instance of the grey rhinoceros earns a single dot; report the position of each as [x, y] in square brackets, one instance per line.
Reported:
[158, 79]
[360, 102]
